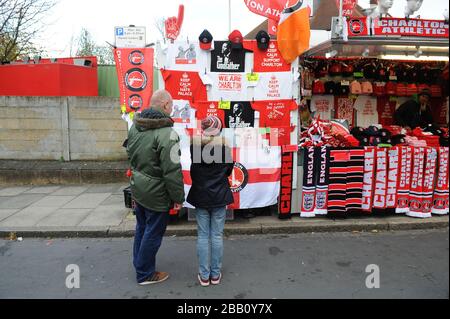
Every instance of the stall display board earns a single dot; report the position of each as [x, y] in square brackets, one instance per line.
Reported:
[255, 93]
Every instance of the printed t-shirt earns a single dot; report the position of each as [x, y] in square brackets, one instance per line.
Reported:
[366, 111]
[322, 105]
[183, 85]
[239, 115]
[275, 113]
[274, 86]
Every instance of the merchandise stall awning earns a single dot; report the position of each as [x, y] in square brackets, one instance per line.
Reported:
[411, 48]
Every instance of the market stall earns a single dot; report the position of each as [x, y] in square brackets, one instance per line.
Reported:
[358, 156]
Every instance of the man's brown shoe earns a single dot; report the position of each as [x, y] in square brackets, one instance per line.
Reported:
[155, 279]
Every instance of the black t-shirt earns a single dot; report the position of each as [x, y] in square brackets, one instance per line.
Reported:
[225, 59]
[240, 115]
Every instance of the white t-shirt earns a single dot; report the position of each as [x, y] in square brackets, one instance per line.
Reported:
[183, 114]
[366, 111]
[274, 86]
[226, 86]
[184, 56]
[323, 106]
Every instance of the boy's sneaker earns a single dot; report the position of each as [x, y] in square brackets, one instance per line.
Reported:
[155, 279]
[216, 281]
[203, 283]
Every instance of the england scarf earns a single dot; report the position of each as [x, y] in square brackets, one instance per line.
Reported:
[416, 194]
[441, 194]
[404, 180]
[309, 183]
[322, 155]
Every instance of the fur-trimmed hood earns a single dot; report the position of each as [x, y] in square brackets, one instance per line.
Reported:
[152, 119]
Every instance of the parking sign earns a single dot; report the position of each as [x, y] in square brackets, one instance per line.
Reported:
[130, 37]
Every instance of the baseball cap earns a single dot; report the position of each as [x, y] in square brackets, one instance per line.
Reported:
[211, 126]
[391, 88]
[398, 139]
[347, 69]
[357, 131]
[425, 91]
[342, 89]
[330, 87]
[335, 69]
[366, 87]
[263, 39]
[318, 87]
[372, 131]
[369, 71]
[379, 88]
[205, 39]
[236, 40]
[385, 135]
[355, 87]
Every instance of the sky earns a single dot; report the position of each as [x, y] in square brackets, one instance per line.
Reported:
[100, 17]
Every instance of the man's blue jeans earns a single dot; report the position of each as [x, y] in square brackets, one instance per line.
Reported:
[150, 229]
[210, 224]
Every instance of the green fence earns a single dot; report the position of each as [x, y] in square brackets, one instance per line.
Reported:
[108, 84]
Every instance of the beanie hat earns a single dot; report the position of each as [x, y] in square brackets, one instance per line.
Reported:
[211, 126]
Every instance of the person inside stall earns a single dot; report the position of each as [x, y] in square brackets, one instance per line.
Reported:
[413, 113]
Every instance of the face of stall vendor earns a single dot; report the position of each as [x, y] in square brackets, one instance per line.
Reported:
[424, 100]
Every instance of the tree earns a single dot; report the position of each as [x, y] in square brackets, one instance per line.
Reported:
[160, 25]
[88, 47]
[20, 23]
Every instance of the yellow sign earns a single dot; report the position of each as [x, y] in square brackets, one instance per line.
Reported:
[224, 105]
[123, 108]
[252, 77]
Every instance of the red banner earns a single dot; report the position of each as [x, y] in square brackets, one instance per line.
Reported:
[358, 27]
[410, 28]
[135, 74]
[271, 9]
[348, 7]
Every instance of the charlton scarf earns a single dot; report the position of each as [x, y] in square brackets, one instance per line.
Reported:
[404, 180]
[428, 180]
[381, 179]
[441, 192]
[416, 194]
[309, 184]
[391, 194]
[369, 178]
[322, 155]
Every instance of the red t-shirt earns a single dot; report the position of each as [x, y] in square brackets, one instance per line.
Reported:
[269, 60]
[275, 113]
[386, 110]
[205, 109]
[280, 136]
[184, 85]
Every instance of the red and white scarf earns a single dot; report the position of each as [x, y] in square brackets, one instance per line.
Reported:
[404, 180]
[369, 178]
[391, 196]
[379, 200]
[429, 180]
[441, 192]
[416, 194]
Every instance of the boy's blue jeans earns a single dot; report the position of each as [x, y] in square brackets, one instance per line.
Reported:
[210, 224]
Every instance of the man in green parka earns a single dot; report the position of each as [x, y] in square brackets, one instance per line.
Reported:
[156, 182]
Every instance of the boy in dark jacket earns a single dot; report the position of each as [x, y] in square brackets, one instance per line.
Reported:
[210, 193]
[156, 182]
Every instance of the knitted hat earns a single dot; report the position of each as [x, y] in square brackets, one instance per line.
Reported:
[211, 126]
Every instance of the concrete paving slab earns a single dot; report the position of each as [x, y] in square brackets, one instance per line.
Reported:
[27, 217]
[87, 200]
[53, 201]
[105, 216]
[113, 200]
[5, 213]
[106, 188]
[19, 201]
[13, 191]
[64, 218]
[43, 190]
[70, 190]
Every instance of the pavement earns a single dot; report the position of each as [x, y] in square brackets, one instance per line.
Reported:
[98, 211]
